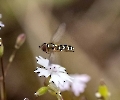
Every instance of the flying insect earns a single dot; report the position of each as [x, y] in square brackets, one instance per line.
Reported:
[52, 46]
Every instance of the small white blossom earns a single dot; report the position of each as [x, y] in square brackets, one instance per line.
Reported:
[78, 85]
[1, 24]
[57, 73]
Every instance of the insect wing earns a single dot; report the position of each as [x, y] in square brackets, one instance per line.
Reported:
[60, 31]
[51, 57]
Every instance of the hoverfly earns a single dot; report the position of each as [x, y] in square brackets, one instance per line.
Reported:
[52, 47]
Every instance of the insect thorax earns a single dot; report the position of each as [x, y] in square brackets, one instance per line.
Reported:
[51, 45]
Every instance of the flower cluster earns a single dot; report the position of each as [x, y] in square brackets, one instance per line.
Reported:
[1, 24]
[59, 79]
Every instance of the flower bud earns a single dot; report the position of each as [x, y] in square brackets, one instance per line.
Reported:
[1, 48]
[53, 89]
[41, 91]
[20, 40]
[103, 92]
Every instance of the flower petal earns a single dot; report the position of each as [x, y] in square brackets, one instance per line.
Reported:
[42, 72]
[42, 61]
[60, 78]
[81, 78]
[57, 68]
[65, 77]
[55, 79]
[78, 88]
[60, 68]
[65, 87]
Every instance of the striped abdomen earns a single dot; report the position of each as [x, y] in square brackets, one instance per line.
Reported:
[51, 47]
[66, 48]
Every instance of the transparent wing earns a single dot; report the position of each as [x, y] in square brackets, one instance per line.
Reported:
[60, 31]
[51, 57]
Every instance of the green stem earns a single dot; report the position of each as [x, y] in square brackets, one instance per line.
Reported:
[3, 92]
[10, 60]
[9, 63]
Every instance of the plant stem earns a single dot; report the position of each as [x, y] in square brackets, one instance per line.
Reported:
[3, 92]
[10, 60]
[9, 63]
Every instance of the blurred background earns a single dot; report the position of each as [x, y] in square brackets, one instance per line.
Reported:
[93, 29]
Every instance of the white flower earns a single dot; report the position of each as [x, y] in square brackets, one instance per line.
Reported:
[78, 85]
[57, 73]
[1, 24]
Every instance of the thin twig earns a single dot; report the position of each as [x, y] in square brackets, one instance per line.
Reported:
[3, 92]
[9, 63]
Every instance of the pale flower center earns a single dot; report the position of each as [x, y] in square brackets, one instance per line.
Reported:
[53, 69]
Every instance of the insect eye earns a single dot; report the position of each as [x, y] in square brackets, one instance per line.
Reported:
[44, 48]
